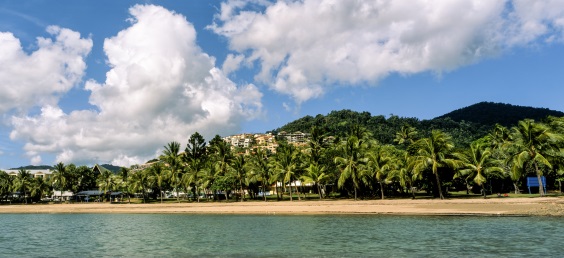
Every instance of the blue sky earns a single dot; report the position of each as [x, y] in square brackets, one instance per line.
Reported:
[113, 81]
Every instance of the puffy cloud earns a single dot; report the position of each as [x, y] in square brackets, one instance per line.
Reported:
[161, 87]
[41, 77]
[305, 46]
[232, 63]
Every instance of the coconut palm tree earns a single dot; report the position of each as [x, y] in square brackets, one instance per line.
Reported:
[159, 175]
[406, 135]
[124, 174]
[139, 181]
[260, 169]
[316, 174]
[435, 152]
[39, 187]
[379, 165]
[404, 172]
[59, 177]
[173, 160]
[287, 163]
[22, 182]
[6, 182]
[106, 182]
[352, 161]
[478, 164]
[240, 166]
[535, 143]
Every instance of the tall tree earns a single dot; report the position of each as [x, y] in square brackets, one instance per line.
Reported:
[23, 182]
[379, 165]
[287, 164]
[534, 143]
[173, 160]
[240, 167]
[6, 182]
[159, 175]
[106, 183]
[478, 164]
[351, 161]
[435, 152]
[38, 188]
[59, 177]
[260, 169]
[316, 175]
[404, 172]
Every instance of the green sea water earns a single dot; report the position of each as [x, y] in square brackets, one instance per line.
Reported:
[182, 235]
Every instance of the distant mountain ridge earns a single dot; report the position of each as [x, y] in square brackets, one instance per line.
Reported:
[31, 167]
[464, 125]
[490, 113]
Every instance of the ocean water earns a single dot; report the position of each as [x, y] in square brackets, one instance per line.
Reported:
[187, 235]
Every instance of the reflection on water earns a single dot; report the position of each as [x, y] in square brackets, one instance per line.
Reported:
[140, 235]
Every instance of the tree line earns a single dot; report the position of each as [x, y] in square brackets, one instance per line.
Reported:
[354, 165]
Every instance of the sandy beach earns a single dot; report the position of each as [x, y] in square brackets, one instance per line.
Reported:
[549, 206]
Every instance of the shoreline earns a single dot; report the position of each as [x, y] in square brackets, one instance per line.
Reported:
[545, 206]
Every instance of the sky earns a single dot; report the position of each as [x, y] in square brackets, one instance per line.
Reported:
[96, 82]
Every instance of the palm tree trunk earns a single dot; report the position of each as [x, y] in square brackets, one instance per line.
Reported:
[291, 190]
[382, 189]
[242, 193]
[412, 192]
[439, 186]
[319, 191]
[355, 193]
[297, 190]
[516, 187]
[541, 186]
[264, 191]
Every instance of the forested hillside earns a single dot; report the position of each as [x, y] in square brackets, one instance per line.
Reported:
[489, 113]
[464, 125]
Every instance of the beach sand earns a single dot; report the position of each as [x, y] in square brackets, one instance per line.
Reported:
[548, 206]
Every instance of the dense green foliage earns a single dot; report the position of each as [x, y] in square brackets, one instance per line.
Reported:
[464, 125]
[349, 154]
[489, 114]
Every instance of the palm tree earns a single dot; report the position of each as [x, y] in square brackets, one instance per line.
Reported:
[23, 182]
[403, 172]
[287, 166]
[195, 171]
[106, 182]
[222, 156]
[316, 174]
[6, 182]
[380, 164]
[406, 135]
[435, 152]
[171, 156]
[159, 175]
[124, 176]
[139, 181]
[351, 162]
[240, 167]
[260, 169]
[535, 143]
[59, 177]
[39, 187]
[478, 164]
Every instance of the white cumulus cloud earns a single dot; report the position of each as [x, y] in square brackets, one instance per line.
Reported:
[41, 77]
[161, 87]
[305, 46]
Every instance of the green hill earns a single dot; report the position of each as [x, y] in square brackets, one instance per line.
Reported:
[489, 113]
[31, 167]
[464, 125]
